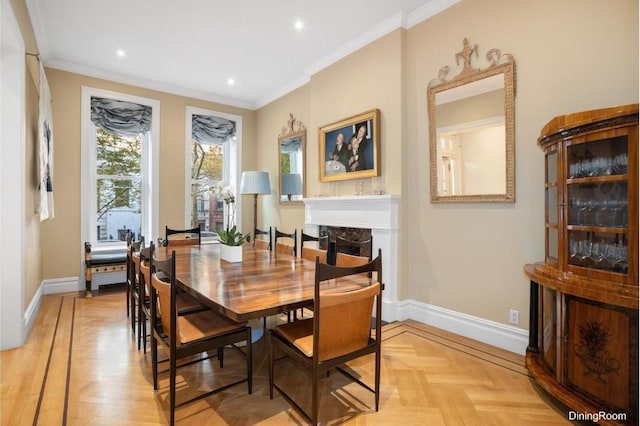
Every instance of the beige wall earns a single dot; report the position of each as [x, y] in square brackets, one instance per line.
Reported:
[570, 55]
[62, 235]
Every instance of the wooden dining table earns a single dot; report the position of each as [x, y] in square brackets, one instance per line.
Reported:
[263, 284]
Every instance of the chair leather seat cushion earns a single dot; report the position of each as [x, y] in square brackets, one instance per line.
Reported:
[201, 325]
[299, 333]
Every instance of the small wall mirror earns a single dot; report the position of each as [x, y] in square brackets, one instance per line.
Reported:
[471, 130]
[291, 158]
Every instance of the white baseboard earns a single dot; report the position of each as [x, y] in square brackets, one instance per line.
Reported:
[58, 285]
[62, 285]
[503, 336]
[32, 310]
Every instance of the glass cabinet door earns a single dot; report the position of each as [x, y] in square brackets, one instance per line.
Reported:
[597, 204]
[552, 207]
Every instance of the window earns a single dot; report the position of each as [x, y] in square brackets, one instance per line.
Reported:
[118, 185]
[119, 168]
[212, 153]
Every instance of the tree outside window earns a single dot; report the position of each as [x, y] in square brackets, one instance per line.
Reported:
[119, 185]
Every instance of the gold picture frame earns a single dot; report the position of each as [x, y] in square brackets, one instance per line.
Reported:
[350, 148]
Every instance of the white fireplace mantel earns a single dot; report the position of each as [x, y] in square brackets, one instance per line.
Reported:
[380, 213]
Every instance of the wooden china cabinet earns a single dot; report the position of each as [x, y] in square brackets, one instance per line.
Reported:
[583, 337]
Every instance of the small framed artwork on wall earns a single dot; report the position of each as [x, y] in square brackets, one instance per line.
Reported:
[350, 148]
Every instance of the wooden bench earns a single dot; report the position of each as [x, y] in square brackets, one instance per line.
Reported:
[100, 263]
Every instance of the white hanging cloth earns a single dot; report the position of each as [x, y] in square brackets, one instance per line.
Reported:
[45, 149]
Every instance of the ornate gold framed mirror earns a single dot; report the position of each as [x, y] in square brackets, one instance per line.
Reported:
[291, 160]
[472, 130]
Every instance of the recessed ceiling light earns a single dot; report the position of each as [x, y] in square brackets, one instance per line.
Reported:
[231, 81]
[120, 53]
[298, 25]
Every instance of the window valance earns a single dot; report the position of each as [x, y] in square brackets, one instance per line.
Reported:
[211, 130]
[120, 117]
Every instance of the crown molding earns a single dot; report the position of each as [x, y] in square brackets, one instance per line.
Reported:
[147, 84]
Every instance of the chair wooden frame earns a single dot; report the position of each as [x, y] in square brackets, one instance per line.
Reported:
[132, 247]
[188, 240]
[282, 337]
[133, 267]
[144, 292]
[223, 332]
[293, 236]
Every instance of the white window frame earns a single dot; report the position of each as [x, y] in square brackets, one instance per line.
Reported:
[231, 161]
[150, 170]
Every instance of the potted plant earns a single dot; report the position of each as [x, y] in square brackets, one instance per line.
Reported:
[231, 239]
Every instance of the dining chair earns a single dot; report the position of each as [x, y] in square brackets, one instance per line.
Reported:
[133, 267]
[340, 331]
[183, 336]
[186, 303]
[284, 248]
[261, 243]
[132, 247]
[350, 253]
[310, 253]
[182, 237]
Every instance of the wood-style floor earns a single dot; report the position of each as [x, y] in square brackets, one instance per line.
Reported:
[80, 366]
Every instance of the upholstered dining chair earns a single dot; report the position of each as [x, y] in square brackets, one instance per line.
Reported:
[262, 243]
[339, 331]
[132, 278]
[182, 237]
[284, 248]
[310, 253]
[133, 284]
[187, 304]
[183, 336]
[346, 249]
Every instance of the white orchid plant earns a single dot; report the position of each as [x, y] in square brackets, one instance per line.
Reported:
[229, 235]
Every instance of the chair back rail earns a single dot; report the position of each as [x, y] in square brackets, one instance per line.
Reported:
[182, 237]
[292, 236]
[262, 245]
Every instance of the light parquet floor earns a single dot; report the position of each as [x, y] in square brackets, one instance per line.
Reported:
[80, 366]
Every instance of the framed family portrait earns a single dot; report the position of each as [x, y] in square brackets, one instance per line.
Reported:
[350, 148]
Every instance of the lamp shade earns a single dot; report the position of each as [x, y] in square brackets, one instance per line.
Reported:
[292, 184]
[255, 183]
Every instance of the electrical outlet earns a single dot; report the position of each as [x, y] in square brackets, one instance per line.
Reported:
[514, 316]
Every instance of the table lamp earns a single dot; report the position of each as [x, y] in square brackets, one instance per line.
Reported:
[291, 185]
[255, 183]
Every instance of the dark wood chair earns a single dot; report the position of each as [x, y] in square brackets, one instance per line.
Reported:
[310, 253]
[187, 304]
[304, 237]
[182, 237]
[339, 331]
[352, 253]
[313, 250]
[283, 248]
[183, 336]
[133, 265]
[262, 243]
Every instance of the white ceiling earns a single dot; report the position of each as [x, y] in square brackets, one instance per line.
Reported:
[192, 47]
